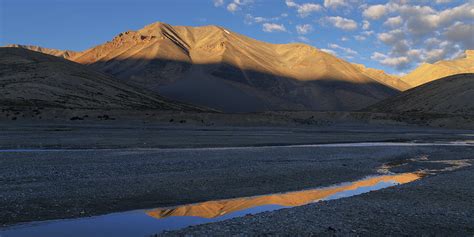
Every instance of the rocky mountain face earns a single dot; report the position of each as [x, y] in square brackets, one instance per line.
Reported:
[213, 67]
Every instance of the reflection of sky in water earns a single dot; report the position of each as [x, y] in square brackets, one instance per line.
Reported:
[360, 190]
[142, 222]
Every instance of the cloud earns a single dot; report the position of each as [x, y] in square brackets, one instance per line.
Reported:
[394, 21]
[368, 32]
[303, 39]
[272, 27]
[421, 33]
[342, 23]
[250, 19]
[232, 7]
[421, 20]
[461, 33]
[375, 11]
[360, 37]
[308, 8]
[397, 62]
[235, 5]
[335, 3]
[304, 29]
[365, 25]
[218, 3]
[291, 3]
[329, 51]
[345, 50]
[391, 37]
[304, 9]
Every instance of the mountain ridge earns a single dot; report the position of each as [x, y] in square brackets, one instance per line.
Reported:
[428, 72]
[449, 95]
[213, 67]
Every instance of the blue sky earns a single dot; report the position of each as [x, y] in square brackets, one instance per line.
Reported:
[394, 35]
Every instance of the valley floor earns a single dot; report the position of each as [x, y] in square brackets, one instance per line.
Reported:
[51, 171]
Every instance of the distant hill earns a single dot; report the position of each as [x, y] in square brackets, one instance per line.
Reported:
[217, 68]
[450, 95]
[55, 52]
[29, 78]
[428, 72]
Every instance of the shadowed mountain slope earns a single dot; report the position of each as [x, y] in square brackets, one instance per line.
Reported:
[29, 78]
[214, 67]
[450, 95]
[429, 72]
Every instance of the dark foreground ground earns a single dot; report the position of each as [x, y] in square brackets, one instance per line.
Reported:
[114, 167]
[441, 205]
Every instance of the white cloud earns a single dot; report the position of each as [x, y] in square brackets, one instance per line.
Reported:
[393, 21]
[291, 3]
[329, 51]
[360, 37]
[397, 62]
[272, 27]
[249, 19]
[425, 34]
[308, 8]
[368, 32]
[342, 23]
[304, 9]
[335, 3]
[344, 49]
[304, 29]
[218, 3]
[232, 7]
[235, 5]
[375, 11]
[365, 25]
[391, 36]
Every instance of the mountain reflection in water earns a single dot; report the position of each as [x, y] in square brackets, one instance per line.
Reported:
[213, 209]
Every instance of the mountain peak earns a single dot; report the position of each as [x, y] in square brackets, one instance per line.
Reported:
[427, 72]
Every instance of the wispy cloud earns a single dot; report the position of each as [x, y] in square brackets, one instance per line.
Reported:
[304, 29]
[273, 27]
[344, 49]
[304, 9]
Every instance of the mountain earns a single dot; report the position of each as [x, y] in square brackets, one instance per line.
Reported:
[384, 78]
[29, 78]
[450, 95]
[217, 68]
[55, 52]
[429, 72]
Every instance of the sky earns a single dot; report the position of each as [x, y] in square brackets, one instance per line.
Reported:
[393, 35]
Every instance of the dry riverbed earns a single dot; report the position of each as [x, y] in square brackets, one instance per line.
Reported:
[85, 180]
